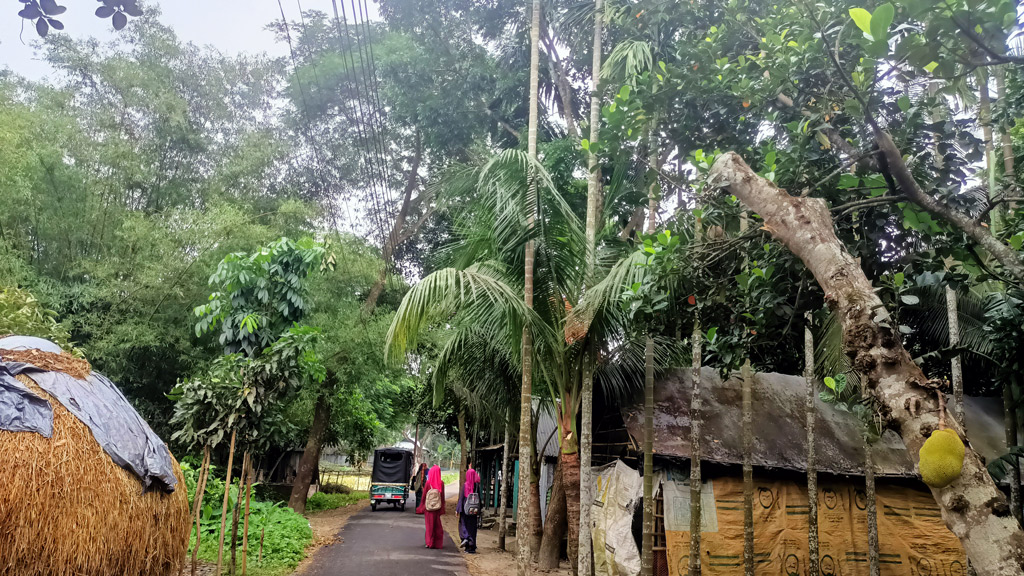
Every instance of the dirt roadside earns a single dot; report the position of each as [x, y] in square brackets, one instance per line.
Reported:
[489, 560]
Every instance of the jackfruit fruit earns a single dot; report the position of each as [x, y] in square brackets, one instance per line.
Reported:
[941, 458]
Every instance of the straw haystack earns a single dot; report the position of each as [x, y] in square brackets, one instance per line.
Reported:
[67, 509]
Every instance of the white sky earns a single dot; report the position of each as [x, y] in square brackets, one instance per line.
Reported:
[232, 26]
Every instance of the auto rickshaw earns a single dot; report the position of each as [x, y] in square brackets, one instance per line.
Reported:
[389, 481]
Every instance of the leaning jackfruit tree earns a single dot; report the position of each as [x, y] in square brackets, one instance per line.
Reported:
[972, 506]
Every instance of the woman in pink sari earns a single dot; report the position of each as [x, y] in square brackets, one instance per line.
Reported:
[434, 534]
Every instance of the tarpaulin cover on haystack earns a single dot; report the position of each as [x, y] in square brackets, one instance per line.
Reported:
[88, 487]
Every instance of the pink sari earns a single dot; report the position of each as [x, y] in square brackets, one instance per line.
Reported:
[434, 532]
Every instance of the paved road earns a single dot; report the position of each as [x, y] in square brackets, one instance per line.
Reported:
[386, 543]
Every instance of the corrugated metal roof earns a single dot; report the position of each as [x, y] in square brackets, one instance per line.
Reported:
[779, 434]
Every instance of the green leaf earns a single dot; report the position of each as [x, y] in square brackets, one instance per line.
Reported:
[880, 22]
[931, 66]
[898, 279]
[1017, 240]
[712, 332]
[904, 103]
[862, 18]
[830, 382]
[847, 181]
[585, 144]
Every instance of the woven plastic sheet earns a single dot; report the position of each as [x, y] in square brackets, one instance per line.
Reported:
[100, 405]
[21, 410]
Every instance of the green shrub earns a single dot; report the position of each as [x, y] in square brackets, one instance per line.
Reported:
[323, 501]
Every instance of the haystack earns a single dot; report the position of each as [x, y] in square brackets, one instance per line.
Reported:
[67, 509]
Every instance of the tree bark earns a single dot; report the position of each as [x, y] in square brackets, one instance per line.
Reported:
[872, 509]
[555, 524]
[535, 528]
[953, 320]
[647, 552]
[985, 119]
[647, 548]
[503, 507]
[224, 507]
[204, 474]
[463, 447]
[570, 464]
[697, 341]
[748, 472]
[311, 455]
[526, 395]
[811, 415]
[972, 507]
[1010, 426]
[1009, 173]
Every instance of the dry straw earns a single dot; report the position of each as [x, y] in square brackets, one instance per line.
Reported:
[67, 510]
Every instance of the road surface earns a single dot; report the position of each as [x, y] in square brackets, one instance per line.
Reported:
[387, 542]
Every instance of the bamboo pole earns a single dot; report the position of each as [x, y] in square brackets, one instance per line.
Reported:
[245, 527]
[204, 473]
[234, 514]
[812, 471]
[224, 507]
[748, 471]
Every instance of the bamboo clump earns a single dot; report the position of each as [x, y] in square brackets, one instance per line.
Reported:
[67, 510]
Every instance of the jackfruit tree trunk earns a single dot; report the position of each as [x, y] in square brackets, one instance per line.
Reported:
[647, 547]
[503, 486]
[555, 525]
[811, 415]
[972, 507]
[953, 321]
[748, 472]
[525, 512]
[1010, 425]
[595, 207]
[224, 507]
[697, 340]
[311, 455]
[872, 508]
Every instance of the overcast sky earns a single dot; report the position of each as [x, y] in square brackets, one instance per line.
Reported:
[232, 26]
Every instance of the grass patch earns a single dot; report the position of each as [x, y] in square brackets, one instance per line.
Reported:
[449, 477]
[322, 501]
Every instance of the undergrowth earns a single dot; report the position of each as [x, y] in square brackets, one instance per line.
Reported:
[322, 501]
[278, 537]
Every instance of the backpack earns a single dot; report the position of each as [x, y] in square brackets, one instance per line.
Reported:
[433, 501]
[472, 504]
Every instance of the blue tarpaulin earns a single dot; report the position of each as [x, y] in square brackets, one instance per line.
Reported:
[96, 401]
